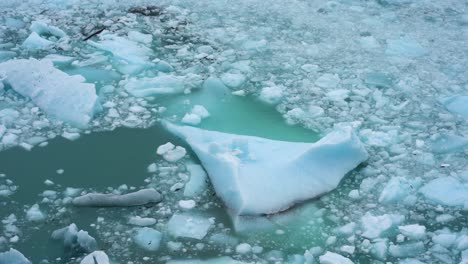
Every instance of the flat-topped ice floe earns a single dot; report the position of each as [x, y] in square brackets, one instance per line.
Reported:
[67, 98]
[140, 197]
[255, 175]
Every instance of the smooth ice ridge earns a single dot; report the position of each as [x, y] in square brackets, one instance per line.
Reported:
[140, 197]
[246, 171]
[58, 94]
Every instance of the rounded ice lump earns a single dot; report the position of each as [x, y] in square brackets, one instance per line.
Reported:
[255, 175]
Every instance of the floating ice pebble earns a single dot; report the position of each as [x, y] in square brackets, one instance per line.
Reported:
[34, 214]
[62, 96]
[446, 191]
[148, 238]
[233, 80]
[141, 197]
[243, 248]
[140, 37]
[271, 95]
[197, 182]
[13, 256]
[456, 104]
[328, 80]
[141, 221]
[99, 257]
[188, 225]
[334, 258]
[160, 85]
[398, 188]
[35, 42]
[375, 226]
[404, 47]
[415, 231]
[187, 204]
[411, 249]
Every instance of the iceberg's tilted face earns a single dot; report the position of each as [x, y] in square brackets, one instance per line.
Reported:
[67, 98]
[255, 175]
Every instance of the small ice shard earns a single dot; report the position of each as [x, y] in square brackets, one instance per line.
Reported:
[62, 96]
[375, 226]
[243, 248]
[411, 249]
[404, 47]
[414, 231]
[447, 143]
[197, 183]
[334, 258]
[43, 29]
[13, 256]
[148, 238]
[141, 197]
[129, 56]
[141, 221]
[35, 42]
[72, 238]
[160, 85]
[244, 176]
[170, 152]
[220, 260]
[397, 189]
[446, 191]
[188, 225]
[96, 257]
[457, 104]
[271, 95]
[187, 204]
[34, 214]
[191, 119]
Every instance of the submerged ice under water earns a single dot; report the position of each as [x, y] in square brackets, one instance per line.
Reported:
[394, 71]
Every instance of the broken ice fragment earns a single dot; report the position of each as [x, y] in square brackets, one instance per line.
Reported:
[220, 260]
[404, 47]
[62, 96]
[188, 225]
[375, 226]
[148, 238]
[334, 258]
[141, 197]
[448, 143]
[244, 176]
[34, 214]
[74, 239]
[197, 183]
[170, 152]
[13, 256]
[98, 257]
[456, 104]
[446, 191]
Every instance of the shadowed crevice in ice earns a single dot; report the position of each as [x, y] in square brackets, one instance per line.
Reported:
[255, 175]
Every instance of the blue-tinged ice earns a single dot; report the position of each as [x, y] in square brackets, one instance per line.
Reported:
[148, 238]
[99, 257]
[13, 256]
[447, 143]
[220, 260]
[246, 170]
[446, 191]
[405, 48]
[161, 85]
[59, 95]
[197, 183]
[457, 104]
[188, 226]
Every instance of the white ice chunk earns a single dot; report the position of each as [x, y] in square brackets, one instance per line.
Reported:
[233, 80]
[98, 257]
[404, 47]
[141, 221]
[328, 80]
[243, 248]
[131, 57]
[170, 152]
[414, 231]
[197, 183]
[34, 214]
[42, 28]
[271, 95]
[412, 249]
[188, 225]
[148, 238]
[72, 238]
[457, 104]
[191, 119]
[447, 143]
[13, 256]
[187, 204]
[62, 96]
[446, 191]
[163, 149]
[36, 42]
[334, 258]
[201, 111]
[140, 37]
[375, 226]
[86, 242]
[220, 260]
[160, 85]
[397, 189]
[244, 176]
[137, 198]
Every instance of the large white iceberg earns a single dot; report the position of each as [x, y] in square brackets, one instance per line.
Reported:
[255, 175]
[58, 94]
